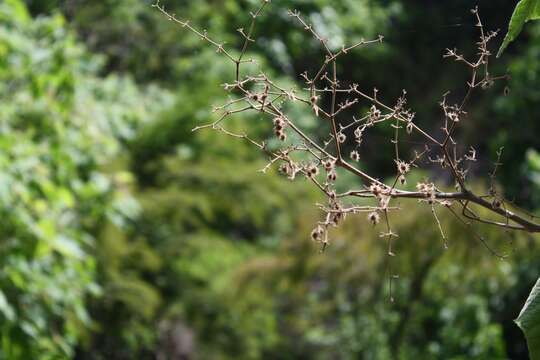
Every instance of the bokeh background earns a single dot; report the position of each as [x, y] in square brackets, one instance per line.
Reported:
[124, 235]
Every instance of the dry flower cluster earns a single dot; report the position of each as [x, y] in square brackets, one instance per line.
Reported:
[322, 160]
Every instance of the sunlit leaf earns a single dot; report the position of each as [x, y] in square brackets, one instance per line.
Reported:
[5, 308]
[525, 10]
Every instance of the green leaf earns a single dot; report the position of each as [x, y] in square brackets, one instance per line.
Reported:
[536, 12]
[5, 307]
[525, 10]
[529, 321]
[68, 247]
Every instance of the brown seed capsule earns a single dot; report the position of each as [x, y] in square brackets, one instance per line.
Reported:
[409, 128]
[312, 170]
[317, 233]
[332, 175]
[279, 123]
[374, 114]
[337, 218]
[328, 165]
[376, 189]
[403, 167]
[288, 169]
[358, 134]
[355, 156]
[446, 203]
[341, 138]
[402, 180]
[374, 217]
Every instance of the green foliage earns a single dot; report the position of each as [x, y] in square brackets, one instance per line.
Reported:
[533, 165]
[59, 126]
[229, 213]
[519, 142]
[525, 11]
[529, 321]
[296, 302]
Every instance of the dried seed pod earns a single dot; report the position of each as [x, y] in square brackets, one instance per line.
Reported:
[403, 167]
[376, 189]
[355, 156]
[289, 170]
[409, 128]
[337, 218]
[374, 217]
[446, 203]
[332, 175]
[312, 170]
[374, 114]
[317, 233]
[279, 120]
[314, 106]
[328, 164]
[279, 123]
[358, 132]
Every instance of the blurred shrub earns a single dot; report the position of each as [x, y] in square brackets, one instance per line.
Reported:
[519, 106]
[298, 303]
[59, 126]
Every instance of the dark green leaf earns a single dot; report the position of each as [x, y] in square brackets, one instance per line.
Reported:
[529, 321]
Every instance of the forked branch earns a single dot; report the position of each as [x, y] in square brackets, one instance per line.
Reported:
[331, 100]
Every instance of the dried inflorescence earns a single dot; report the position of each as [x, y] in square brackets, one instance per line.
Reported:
[321, 160]
[279, 128]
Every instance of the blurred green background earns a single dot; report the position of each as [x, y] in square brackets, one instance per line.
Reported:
[126, 236]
